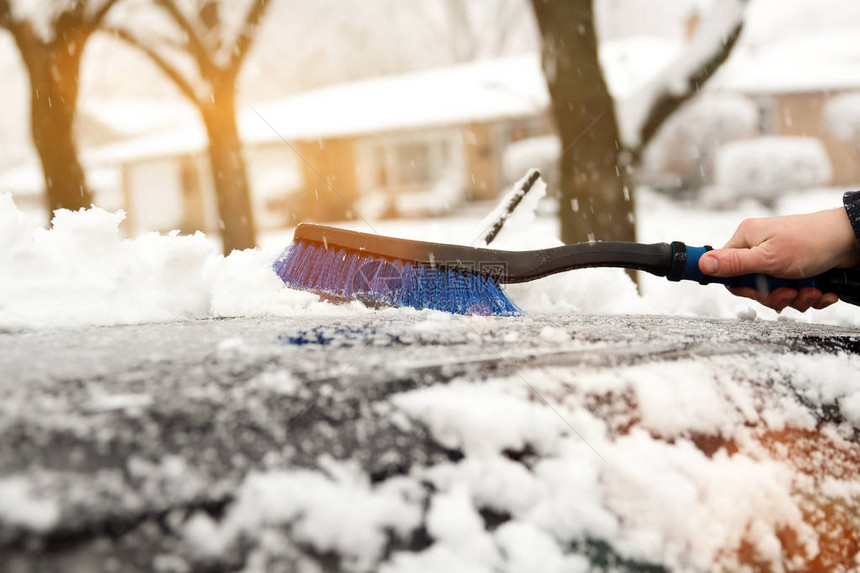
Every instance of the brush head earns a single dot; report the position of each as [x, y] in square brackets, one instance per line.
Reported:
[338, 271]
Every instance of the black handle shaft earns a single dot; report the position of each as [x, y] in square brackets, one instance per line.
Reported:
[653, 258]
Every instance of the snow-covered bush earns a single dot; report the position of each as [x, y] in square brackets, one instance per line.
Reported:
[447, 193]
[534, 152]
[767, 167]
[842, 117]
[689, 141]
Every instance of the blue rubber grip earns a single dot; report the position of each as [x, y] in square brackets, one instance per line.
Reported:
[762, 283]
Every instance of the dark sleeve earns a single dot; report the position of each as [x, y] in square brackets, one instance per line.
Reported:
[851, 200]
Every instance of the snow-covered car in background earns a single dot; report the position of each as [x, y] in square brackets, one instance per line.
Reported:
[767, 168]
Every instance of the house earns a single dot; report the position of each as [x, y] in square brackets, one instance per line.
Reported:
[410, 145]
[791, 80]
[98, 123]
[415, 140]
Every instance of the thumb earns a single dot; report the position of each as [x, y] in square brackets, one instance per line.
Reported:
[733, 262]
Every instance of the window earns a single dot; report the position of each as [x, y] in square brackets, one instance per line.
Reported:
[414, 163]
[408, 163]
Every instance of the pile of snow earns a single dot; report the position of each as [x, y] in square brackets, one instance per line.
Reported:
[634, 478]
[82, 271]
[340, 514]
[25, 508]
[769, 167]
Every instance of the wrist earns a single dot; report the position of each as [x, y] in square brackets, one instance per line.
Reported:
[851, 202]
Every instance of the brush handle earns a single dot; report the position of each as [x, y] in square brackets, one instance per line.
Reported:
[845, 283]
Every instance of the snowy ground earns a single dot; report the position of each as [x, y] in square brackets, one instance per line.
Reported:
[163, 408]
[83, 272]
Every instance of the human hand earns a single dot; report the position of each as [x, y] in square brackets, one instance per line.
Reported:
[789, 247]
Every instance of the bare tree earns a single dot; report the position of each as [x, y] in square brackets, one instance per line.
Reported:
[216, 37]
[597, 201]
[51, 38]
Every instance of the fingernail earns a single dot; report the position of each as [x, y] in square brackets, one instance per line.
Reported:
[710, 265]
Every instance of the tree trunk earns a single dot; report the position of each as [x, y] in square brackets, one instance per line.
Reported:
[596, 201]
[53, 69]
[228, 172]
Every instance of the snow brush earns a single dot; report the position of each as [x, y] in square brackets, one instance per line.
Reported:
[386, 271]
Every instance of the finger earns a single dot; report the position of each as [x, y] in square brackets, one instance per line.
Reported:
[741, 237]
[780, 298]
[733, 262]
[825, 301]
[806, 297]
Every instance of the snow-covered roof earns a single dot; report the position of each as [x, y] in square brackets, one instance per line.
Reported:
[769, 21]
[190, 139]
[801, 64]
[481, 91]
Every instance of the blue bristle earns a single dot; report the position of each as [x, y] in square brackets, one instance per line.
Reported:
[378, 281]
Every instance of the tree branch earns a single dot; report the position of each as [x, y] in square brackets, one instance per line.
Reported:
[247, 34]
[195, 44]
[667, 103]
[174, 74]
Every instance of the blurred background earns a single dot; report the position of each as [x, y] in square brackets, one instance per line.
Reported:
[240, 118]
